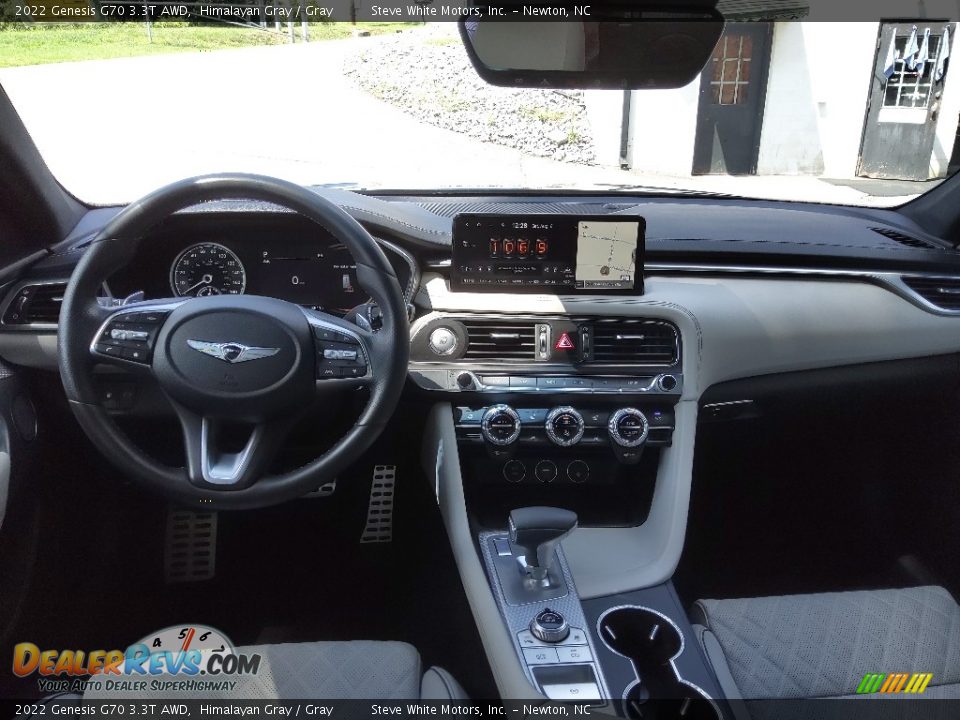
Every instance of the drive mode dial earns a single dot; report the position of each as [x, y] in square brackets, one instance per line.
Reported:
[564, 426]
[628, 427]
[500, 425]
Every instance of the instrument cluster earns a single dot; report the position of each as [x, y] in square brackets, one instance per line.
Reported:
[273, 255]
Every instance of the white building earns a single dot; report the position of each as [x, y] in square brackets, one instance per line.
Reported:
[817, 98]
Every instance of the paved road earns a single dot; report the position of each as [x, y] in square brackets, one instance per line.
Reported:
[113, 130]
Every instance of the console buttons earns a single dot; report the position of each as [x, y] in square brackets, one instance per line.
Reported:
[500, 425]
[572, 692]
[628, 427]
[576, 637]
[546, 471]
[607, 384]
[551, 383]
[596, 419]
[564, 426]
[550, 626]
[495, 380]
[533, 416]
[540, 656]
[523, 382]
[468, 416]
[574, 654]
[667, 383]
[443, 341]
[514, 471]
[578, 471]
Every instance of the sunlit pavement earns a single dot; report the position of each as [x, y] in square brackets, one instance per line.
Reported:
[112, 130]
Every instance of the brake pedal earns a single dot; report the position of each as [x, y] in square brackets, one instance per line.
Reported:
[190, 551]
[379, 527]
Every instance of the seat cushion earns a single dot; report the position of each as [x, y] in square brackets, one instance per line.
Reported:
[821, 645]
[314, 670]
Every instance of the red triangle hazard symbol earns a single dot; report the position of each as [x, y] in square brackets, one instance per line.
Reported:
[564, 342]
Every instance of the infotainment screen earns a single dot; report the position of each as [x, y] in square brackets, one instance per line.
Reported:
[548, 253]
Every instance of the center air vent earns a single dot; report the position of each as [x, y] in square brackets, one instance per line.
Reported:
[905, 239]
[944, 292]
[500, 340]
[36, 304]
[634, 342]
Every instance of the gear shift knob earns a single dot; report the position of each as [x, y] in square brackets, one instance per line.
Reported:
[535, 533]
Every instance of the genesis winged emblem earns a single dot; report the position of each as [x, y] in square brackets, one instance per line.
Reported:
[232, 352]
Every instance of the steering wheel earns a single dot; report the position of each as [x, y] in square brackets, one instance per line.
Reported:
[228, 359]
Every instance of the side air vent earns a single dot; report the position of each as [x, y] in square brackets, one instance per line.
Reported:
[36, 304]
[499, 340]
[943, 292]
[905, 239]
[634, 342]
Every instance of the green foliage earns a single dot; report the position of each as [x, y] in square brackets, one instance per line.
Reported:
[29, 44]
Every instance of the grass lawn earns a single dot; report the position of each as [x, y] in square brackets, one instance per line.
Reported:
[52, 43]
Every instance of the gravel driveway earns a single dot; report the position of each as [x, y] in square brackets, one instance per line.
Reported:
[428, 75]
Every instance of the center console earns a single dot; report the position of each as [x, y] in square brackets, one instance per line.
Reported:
[598, 458]
[561, 451]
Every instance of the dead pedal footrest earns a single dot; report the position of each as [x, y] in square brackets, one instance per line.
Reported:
[379, 527]
[190, 550]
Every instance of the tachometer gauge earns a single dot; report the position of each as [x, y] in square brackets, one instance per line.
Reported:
[207, 269]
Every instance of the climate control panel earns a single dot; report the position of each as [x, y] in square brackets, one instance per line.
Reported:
[505, 430]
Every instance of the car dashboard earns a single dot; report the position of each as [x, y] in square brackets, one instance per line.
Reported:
[580, 400]
[277, 255]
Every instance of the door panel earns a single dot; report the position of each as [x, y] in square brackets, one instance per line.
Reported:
[901, 123]
[732, 90]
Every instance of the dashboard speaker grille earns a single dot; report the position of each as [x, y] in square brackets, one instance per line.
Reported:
[500, 340]
[631, 342]
[943, 292]
[36, 304]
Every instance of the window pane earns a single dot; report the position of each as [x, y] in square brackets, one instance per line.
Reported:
[730, 70]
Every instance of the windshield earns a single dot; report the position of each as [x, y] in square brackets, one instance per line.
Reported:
[851, 113]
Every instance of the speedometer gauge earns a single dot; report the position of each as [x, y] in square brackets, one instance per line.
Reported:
[207, 269]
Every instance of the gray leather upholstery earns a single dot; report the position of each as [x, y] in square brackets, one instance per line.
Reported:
[821, 645]
[318, 670]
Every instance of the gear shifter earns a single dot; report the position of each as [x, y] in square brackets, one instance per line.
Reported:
[535, 533]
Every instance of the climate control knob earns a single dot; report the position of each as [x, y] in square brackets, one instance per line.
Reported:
[628, 428]
[564, 426]
[500, 425]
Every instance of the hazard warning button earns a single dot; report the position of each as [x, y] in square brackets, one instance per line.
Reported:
[564, 342]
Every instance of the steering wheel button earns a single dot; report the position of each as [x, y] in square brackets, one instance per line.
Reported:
[136, 354]
[321, 333]
[106, 349]
[337, 354]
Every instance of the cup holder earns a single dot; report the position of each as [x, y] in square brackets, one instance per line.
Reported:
[651, 642]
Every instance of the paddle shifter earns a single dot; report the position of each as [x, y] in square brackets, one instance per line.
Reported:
[535, 533]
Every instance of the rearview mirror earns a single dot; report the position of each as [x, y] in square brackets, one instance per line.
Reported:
[615, 47]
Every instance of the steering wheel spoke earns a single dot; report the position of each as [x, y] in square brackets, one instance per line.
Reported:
[219, 457]
[128, 335]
